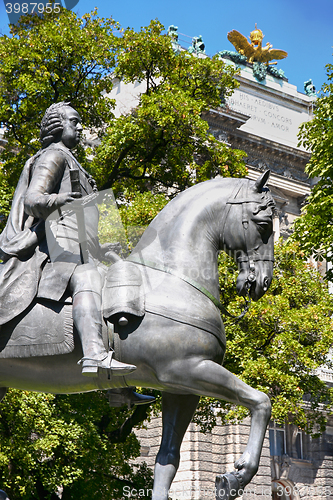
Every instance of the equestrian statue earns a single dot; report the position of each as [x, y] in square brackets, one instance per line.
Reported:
[70, 324]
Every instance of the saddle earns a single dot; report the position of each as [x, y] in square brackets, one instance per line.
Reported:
[132, 290]
[45, 328]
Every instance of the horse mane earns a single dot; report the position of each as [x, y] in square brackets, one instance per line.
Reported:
[205, 202]
[188, 207]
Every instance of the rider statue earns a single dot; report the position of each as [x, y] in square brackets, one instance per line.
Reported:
[46, 184]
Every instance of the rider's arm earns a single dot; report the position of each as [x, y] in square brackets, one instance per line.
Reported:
[41, 198]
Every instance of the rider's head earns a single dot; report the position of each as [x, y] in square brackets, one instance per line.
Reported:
[3, 495]
[53, 121]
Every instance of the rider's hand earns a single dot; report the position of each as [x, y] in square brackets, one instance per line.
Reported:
[64, 198]
[110, 252]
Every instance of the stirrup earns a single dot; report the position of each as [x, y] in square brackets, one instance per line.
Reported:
[127, 396]
[90, 366]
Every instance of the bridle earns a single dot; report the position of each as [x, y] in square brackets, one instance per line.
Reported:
[251, 256]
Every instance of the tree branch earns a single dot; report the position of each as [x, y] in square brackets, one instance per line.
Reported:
[138, 416]
[115, 169]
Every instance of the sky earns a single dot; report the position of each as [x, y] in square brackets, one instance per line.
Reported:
[303, 28]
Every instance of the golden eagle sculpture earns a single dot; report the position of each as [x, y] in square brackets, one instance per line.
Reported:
[254, 51]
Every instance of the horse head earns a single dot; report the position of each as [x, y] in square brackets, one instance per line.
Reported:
[250, 240]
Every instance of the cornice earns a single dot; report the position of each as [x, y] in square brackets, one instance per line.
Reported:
[226, 118]
[279, 150]
[289, 99]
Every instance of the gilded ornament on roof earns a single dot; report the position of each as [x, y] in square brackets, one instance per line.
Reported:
[254, 51]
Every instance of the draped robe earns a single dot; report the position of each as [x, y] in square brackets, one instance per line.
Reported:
[28, 270]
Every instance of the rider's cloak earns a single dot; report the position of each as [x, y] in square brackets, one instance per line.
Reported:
[27, 270]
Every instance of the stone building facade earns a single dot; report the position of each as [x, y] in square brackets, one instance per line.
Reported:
[262, 119]
[293, 466]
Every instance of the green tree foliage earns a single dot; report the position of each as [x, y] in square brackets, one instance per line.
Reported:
[46, 60]
[138, 211]
[164, 141]
[126, 222]
[73, 442]
[314, 229]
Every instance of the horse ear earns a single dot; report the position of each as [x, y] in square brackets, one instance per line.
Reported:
[261, 181]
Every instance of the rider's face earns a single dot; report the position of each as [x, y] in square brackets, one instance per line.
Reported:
[72, 127]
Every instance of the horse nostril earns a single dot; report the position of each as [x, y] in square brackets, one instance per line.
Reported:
[266, 283]
[251, 277]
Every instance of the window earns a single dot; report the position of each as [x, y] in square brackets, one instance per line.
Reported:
[298, 444]
[286, 440]
[277, 439]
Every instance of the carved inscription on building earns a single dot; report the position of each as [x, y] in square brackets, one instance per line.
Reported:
[269, 119]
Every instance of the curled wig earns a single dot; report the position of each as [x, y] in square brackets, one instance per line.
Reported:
[52, 123]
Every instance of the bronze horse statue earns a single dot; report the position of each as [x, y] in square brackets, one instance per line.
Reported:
[178, 342]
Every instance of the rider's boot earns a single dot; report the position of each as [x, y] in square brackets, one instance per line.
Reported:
[88, 322]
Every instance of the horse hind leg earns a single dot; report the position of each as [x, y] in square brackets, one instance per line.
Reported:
[208, 378]
[177, 412]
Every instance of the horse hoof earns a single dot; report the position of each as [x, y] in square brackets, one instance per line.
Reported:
[227, 487]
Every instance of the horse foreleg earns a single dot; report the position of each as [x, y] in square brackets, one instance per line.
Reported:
[177, 411]
[210, 379]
